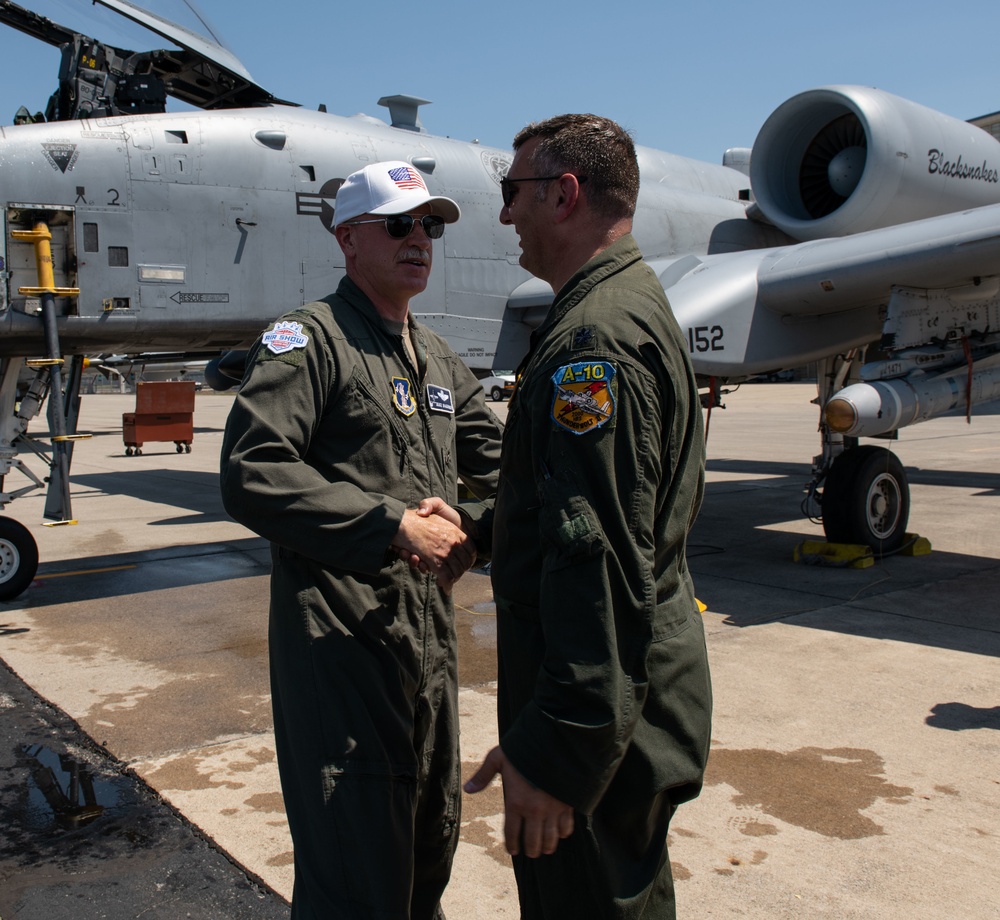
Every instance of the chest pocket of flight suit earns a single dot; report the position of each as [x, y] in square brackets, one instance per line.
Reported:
[369, 440]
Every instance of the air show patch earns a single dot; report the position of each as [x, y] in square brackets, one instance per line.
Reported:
[584, 399]
[284, 337]
[402, 398]
[439, 399]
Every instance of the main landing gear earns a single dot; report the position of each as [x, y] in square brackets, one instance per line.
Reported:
[18, 558]
[865, 497]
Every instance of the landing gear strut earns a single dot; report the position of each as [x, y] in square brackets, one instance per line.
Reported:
[18, 550]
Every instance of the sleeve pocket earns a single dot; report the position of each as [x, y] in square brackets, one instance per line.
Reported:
[569, 528]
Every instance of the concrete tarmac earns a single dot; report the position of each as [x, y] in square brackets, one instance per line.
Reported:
[854, 770]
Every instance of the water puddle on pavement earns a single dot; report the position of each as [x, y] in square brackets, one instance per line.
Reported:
[476, 626]
[64, 790]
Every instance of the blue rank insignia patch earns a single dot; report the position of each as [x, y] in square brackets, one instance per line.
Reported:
[402, 399]
[583, 399]
[583, 337]
[439, 399]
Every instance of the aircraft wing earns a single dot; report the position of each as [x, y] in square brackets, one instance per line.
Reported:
[755, 311]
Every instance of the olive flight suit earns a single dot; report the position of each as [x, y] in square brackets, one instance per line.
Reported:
[604, 695]
[333, 435]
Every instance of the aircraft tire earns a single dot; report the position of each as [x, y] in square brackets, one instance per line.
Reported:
[866, 500]
[834, 504]
[18, 558]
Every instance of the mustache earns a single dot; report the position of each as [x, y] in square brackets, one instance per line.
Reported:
[415, 253]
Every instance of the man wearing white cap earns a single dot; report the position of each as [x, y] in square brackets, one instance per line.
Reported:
[349, 415]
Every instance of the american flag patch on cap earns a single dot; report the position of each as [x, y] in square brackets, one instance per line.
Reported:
[406, 177]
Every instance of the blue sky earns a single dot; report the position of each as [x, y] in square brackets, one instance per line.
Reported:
[690, 78]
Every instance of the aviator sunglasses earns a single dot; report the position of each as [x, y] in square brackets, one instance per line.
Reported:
[400, 226]
[508, 189]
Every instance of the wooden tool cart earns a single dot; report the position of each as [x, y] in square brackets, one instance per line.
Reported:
[164, 411]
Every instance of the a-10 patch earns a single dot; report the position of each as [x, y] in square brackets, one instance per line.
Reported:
[584, 398]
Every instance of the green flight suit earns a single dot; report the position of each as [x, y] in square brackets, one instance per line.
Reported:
[334, 434]
[604, 694]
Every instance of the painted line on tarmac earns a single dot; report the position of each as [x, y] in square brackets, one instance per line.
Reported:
[114, 568]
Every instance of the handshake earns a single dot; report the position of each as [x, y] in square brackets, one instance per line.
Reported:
[432, 538]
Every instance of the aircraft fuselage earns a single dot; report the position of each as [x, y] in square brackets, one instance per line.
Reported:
[191, 231]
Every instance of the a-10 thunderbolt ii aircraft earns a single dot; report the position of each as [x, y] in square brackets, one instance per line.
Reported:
[870, 243]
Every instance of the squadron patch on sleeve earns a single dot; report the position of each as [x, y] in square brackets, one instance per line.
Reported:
[402, 398]
[584, 399]
[284, 336]
[439, 399]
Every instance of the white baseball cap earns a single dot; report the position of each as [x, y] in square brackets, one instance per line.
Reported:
[392, 187]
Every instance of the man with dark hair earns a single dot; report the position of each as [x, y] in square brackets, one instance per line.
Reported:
[349, 415]
[602, 154]
[604, 703]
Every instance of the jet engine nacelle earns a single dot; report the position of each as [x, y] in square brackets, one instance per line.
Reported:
[843, 159]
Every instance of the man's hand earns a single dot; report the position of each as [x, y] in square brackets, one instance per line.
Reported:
[431, 539]
[533, 819]
[439, 506]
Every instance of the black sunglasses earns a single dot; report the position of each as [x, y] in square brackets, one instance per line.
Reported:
[507, 187]
[400, 226]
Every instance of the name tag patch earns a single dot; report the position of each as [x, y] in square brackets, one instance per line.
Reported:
[284, 336]
[439, 399]
[583, 399]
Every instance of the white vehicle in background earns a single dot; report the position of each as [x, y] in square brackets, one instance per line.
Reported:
[499, 386]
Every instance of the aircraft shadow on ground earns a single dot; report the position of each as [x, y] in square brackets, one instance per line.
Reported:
[801, 474]
[738, 542]
[974, 631]
[114, 433]
[983, 483]
[198, 491]
[193, 490]
[742, 559]
[123, 574]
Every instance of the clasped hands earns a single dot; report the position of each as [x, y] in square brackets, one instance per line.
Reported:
[431, 538]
